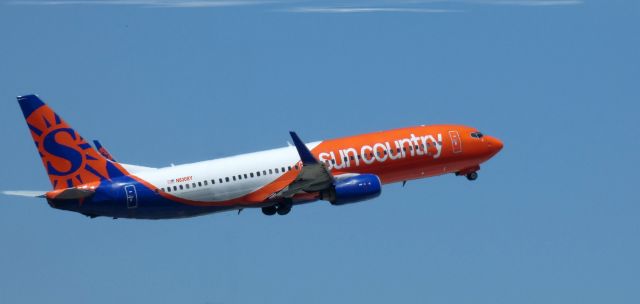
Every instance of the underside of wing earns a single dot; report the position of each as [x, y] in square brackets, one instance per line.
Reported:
[313, 176]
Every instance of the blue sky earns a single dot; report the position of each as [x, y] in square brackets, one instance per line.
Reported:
[554, 218]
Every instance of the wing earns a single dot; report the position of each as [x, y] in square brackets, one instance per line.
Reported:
[313, 177]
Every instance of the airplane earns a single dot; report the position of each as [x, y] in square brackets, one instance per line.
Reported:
[88, 180]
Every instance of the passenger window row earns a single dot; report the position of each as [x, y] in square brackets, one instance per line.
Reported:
[227, 179]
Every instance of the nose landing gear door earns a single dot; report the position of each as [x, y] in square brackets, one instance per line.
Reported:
[456, 143]
[131, 195]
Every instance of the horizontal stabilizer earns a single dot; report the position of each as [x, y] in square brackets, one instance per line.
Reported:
[72, 193]
[131, 168]
[26, 193]
[135, 168]
[103, 151]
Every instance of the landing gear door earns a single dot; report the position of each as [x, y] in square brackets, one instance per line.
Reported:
[131, 196]
[456, 143]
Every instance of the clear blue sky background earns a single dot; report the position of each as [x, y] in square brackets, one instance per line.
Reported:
[554, 218]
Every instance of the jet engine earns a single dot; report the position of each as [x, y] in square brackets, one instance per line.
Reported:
[353, 189]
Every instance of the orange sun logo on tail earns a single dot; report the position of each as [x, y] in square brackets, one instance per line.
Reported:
[69, 160]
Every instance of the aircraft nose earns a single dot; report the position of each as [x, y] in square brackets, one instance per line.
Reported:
[495, 145]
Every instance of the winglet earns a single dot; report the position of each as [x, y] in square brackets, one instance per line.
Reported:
[305, 155]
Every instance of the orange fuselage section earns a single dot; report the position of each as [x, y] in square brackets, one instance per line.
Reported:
[408, 153]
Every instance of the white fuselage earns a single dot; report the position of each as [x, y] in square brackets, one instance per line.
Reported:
[224, 178]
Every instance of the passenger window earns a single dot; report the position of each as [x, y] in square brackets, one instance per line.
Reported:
[226, 179]
[258, 173]
[187, 186]
[181, 188]
[205, 182]
[289, 168]
[276, 170]
[194, 185]
[240, 177]
[168, 189]
[245, 176]
[264, 172]
[234, 178]
[220, 180]
[251, 174]
[162, 189]
[352, 158]
[270, 171]
[175, 188]
[200, 184]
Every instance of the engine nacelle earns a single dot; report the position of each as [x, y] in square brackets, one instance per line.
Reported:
[353, 189]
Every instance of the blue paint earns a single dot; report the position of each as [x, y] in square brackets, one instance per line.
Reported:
[110, 200]
[303, 151]
[29, 103]
[63, 151]
[357, 189]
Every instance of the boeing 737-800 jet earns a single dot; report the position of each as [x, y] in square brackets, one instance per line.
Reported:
[90, 181]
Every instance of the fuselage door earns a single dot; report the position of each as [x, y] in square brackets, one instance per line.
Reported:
[132, 196]
[456, 142]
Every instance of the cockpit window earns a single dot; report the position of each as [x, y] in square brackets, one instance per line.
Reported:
[477, 135]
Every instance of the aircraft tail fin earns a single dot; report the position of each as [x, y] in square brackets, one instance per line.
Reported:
[68, 159]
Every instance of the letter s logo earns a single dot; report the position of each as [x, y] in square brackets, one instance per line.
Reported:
[66, 151]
